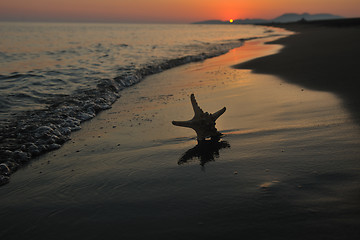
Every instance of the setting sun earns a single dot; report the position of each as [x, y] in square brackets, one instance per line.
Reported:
[231, 20]
[176, 11]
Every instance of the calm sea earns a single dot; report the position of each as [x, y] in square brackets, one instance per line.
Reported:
[54, 76]
[40, 62]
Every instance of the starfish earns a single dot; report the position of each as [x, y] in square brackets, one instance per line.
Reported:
[202, 123]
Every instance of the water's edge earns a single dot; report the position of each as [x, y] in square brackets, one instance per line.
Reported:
[33, 133]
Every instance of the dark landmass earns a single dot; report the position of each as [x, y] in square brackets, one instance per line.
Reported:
[322, 55]
[293, 17]
[287, 17]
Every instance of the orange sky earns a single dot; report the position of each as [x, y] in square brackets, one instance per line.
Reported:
[182, 11]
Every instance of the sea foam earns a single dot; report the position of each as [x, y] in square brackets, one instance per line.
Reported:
[55, 88]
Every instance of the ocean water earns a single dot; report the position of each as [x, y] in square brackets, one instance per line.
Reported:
[42, 61]
[54, 76]
[287, 167]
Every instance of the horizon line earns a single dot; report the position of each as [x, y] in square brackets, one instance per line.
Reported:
[99, 21]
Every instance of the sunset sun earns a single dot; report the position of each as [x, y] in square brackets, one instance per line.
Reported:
[104, 129]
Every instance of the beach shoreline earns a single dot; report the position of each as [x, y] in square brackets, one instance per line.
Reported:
[30, 134]
[322, 55]
[286, 169]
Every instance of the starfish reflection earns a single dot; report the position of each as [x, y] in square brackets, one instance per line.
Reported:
[205, 151]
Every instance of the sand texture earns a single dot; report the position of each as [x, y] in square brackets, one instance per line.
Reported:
[322, 56]
[287, 167]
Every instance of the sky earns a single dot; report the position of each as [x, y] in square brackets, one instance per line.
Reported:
[167, 11]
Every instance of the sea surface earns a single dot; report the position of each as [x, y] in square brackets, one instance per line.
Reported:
[286, 168]
[54, 76]
[42, 61]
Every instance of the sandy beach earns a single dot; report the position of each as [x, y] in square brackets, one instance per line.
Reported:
[324, 57]
[286, 168]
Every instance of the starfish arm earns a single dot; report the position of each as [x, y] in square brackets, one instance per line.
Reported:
[197, 110]
[218, 113]
[188, 124]
[202, 123]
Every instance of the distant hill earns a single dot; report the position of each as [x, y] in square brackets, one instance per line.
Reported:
[285, 18]
[294, 17]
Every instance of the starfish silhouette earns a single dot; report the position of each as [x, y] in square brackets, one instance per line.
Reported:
[202, 123]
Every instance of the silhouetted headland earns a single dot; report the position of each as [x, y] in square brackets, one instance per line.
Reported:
[322, 55]
[284, 18]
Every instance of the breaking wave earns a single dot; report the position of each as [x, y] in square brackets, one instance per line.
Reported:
[55, 114]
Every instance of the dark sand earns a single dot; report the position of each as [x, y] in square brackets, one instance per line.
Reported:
[323, 55]
[289, 168]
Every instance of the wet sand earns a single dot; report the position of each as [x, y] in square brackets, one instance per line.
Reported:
[288, 166]
[323, 55]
